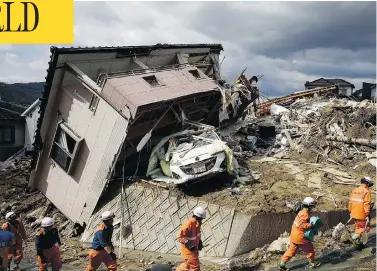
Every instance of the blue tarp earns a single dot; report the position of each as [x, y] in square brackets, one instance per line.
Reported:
[316, 221]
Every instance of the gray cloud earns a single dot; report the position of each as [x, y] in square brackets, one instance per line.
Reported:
[288, 42]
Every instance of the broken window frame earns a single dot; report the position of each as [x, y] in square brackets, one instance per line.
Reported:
[12, 138]
[94, 103]
[63, 129]
[159, 83]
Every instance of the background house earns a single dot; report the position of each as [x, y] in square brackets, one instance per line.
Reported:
[31, 115]
[373, 92]
[345, 88]
[12, 129]
[367, 92]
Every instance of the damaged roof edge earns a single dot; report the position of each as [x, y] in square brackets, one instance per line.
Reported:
[132, 49]
[43, 104]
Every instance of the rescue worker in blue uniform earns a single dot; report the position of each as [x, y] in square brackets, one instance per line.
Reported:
[102, 250]
[7, 240]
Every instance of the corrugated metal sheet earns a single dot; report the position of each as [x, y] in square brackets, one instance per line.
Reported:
[117, 137]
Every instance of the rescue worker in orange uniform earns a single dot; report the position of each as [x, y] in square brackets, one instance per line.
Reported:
[191, 243]
[359, 208]
[7, 241]
[297, 238]
[47, 242]
[102, 250]
[15, 226]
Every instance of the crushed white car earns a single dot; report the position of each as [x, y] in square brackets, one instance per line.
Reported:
[191, 155]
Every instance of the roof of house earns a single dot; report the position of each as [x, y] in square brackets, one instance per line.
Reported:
[31, 108]
[131, 50]
[335, 81]
[134, 91]
[10, 111]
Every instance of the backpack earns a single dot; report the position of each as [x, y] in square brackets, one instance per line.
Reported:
[298, 207]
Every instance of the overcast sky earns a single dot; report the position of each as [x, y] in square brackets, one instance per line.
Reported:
[288, 42]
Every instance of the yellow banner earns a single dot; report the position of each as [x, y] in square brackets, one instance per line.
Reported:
[36, 21]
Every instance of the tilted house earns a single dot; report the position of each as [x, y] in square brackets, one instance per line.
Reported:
[97, 105]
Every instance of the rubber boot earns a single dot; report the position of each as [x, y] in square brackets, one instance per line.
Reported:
[17, 268]
[314, 264]
[282, 266]
[357, 242]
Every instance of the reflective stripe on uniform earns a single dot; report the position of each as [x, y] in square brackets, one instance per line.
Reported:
[193, 238]
[357, 200]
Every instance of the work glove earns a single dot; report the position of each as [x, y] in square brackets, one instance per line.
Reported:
[200, 247]
[190, 245]
[113, 256]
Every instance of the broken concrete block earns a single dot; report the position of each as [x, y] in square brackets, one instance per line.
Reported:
[279, 245]
[255, 175]
[338, 230]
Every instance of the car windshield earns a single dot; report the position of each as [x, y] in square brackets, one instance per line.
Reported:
[189, 142]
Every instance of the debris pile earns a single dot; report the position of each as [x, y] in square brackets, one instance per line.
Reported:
[336, 131]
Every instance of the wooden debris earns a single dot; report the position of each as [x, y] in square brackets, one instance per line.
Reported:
[153, 183]
[334, 162]
[336, 172]
[288, 136]
[360, 141]
[333, 199]
[341, 180]
[317, 158]
[266, 159]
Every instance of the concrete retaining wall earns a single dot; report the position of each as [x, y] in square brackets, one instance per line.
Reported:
[155, 217]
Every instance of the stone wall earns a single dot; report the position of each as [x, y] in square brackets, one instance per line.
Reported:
[155, 217]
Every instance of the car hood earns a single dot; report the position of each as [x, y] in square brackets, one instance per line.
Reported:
[186, 155]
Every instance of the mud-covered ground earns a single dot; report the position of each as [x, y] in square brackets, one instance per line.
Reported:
[282, 181]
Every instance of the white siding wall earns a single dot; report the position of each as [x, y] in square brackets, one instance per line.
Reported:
[103, 134]
[30, 127]
[345, 91]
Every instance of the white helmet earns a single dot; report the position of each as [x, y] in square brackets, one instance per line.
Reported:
[9, 215]
[309, 201]
[367, 180]
[200, 212]
[47, 222]
[106, 215]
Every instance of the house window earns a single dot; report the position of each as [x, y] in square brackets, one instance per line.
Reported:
[152, 80]
[93, 103]
[7, 135]
[195, 73]
[65, 146]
